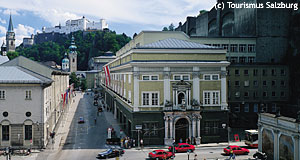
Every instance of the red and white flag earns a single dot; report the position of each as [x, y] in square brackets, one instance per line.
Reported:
[107, 75]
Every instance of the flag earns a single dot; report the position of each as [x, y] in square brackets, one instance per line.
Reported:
[104, 68]
[107, 74]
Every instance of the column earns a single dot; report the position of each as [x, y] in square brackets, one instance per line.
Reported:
[194, 127]
[296, 146]
[166, 127]
[174, 95]
[223, 89]
[199, 128]
[115, 108]
[136, 92]
[196, 84]
[171, 127]
[260, 130]
[167, 87]
[276, 143]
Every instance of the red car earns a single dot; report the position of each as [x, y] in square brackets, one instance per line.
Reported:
[160, 154]
[182, 147]
[236, 150]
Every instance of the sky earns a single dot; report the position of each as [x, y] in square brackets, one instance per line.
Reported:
[122, 16]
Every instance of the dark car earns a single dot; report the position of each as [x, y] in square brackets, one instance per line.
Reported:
[110, 153]
[81, 120]
[236, 150]
[182, 147]
[160, 154]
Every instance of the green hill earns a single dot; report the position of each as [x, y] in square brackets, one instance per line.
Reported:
[88, 46]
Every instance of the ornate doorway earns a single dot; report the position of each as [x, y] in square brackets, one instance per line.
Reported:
[181, 130]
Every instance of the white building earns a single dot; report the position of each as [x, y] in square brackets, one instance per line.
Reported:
[32, 99]
[82, 24]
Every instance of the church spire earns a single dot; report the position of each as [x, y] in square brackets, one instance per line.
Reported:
[10, 26]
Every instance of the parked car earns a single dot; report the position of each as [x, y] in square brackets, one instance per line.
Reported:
[236, 150]
[160, 154]
[182, 147]
[81, 120]
[110, 153]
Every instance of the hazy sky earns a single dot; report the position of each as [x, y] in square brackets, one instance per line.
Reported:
[123, 16]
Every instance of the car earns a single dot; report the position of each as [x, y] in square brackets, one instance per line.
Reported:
[81, 120]
[237, 150]
[160, 154]
[111, 153]
[182, 147]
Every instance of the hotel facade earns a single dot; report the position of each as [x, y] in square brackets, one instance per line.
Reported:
[164, 87]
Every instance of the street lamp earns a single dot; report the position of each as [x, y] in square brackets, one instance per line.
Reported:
[228, 136]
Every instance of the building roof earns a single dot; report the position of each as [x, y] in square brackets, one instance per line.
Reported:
[172, 43]
[15, 74]
[3, 59]
[10, 26]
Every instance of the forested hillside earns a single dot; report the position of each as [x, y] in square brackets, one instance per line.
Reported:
[91, 45]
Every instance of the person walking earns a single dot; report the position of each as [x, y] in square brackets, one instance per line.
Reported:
[180, 140]
[142, 143]
[195, 157]
[231, 154]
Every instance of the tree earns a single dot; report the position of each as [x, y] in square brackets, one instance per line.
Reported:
[171, 27]
[12, 55]
[83, 84]
[74, 79]
[165, 29]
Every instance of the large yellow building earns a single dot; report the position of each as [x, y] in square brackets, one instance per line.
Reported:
[169, 87]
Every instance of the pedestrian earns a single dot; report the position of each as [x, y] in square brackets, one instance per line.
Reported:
[195, 157]
[186, 140]
[180, 140]
[231, 154]
[189, 140]
[194, 141]
[142, 143]
[133, 142]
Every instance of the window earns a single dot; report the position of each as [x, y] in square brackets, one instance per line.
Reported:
[150, 98]
[265, 94]
[282, 72]
[246, 107]
[28, 114]
[242, 59]
[282, 94]
[246, 83]
[151, 128]
[282, 83]
[5, 132]
[273, 71]
[255, 72]
[145, 99]
[273, 83]
[264, 83]
[150, 77]
[216, 45]
[237, 94]
[181, 77]
[208, 77]
[237, 72]
[125, 77]
[273, 107]
[251, 48]
[255, 83]
[255, 108]
[129, 95]
[5, 114]
[234, 59]
[211, 127]
[2, 94]
[28, 132]
[28, 95]
[211, 98]
[243, 48]
[246, 94]
[264, 72]
[233, 48]
[251, 59]
[255, 94]
[225, 46]
[237, 83]
[237, 108]
[246, 72]
[273, 94]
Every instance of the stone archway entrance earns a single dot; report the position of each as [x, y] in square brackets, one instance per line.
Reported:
[181, 130]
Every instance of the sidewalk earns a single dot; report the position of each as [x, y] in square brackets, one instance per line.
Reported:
[61, 130]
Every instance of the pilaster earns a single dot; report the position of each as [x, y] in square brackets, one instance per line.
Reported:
[136, 94]
[196, 84]
[167, 87]
[223, 89]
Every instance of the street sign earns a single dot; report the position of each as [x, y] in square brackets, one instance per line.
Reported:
[138, 127]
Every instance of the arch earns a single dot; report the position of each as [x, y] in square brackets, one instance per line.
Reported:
[181, 98]
[181, 127]
[286, 145]
[28, 122]
[5, 122]
[268, 142]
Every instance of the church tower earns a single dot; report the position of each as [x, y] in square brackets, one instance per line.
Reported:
[65, 63]
[10, 37]
[73, 56]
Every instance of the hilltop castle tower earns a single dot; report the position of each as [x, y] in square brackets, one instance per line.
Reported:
[73, 56]
[10, 37]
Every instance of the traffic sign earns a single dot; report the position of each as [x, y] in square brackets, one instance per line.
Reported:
[138, 127]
